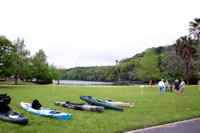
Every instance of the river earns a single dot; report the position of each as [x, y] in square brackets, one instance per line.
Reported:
[79, 82]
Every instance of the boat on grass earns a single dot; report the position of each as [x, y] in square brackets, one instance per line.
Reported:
[93, 101]
[46, 111]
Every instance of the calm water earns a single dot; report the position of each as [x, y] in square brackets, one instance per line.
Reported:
[79, 82]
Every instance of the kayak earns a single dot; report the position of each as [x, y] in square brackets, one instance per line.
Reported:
[75, 106]
[46, 112]
[122, 104]
[94, 101]
[7, 114]
[13, 116]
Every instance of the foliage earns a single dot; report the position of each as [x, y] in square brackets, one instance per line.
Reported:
[41, 69]
[56, 74]
[149, 69]
[6, 49]
[138, 55]
[107, 73]
[195, 28]
[27, 73]
[16, 61]
[20, 60]
[185, 48]
[171, 67]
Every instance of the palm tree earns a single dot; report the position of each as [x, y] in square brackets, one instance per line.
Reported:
[184, 47]
[195, 28]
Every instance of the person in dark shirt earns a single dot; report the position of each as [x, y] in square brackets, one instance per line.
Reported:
[171, 86]
[176, 84]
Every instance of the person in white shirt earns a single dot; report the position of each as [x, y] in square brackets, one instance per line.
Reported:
[161, 85]
[182, 87]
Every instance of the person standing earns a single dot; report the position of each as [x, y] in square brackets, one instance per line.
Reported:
[176, 84]
[150, 83]
[167, 86]
[161, 85]
[171, 86]
[182, 87]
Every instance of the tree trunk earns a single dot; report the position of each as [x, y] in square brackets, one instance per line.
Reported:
[187, 72]
[16, 80]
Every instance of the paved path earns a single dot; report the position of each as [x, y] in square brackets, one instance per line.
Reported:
[187, 126]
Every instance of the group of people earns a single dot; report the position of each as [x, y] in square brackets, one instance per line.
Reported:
[166, 85]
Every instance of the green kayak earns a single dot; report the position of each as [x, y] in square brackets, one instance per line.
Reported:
[94, 101]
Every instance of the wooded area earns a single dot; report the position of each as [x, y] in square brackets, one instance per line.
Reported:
[153, 64]
[16, 62]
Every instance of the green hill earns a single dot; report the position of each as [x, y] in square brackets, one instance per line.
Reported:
[170, 67]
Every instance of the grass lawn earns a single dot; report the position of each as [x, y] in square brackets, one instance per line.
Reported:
[150, 108]
[9, 82]
[5, 82]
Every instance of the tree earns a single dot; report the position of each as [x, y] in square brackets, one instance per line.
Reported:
[170, 65]
[184, 48]
[195, 28]
[26, 72]
[149, 69]
[6, 50]
[41, 69]
[20, 59]
[56, 74]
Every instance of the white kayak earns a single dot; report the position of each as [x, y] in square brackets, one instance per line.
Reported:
[46, 112]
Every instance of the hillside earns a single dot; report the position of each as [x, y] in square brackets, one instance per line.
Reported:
[170, 67]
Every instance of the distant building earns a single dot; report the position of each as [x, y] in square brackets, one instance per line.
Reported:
[60, 67]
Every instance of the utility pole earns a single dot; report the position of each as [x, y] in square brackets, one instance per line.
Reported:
[117, 66]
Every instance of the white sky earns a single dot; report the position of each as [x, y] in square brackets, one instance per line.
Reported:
[95, 32]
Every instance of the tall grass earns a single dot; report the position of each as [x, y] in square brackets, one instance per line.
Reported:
[150, 108]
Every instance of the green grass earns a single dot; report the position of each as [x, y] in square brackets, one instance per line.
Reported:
[10, 82]
[26, 83]
[150, 108]
[5, 82]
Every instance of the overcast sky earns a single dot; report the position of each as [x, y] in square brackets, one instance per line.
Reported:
[95, 32]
